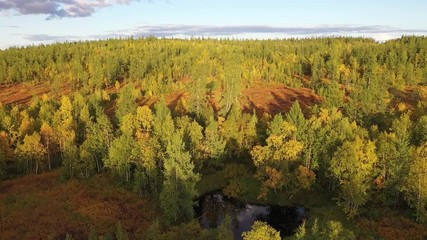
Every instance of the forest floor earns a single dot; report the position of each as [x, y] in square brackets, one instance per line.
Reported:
[43, 207]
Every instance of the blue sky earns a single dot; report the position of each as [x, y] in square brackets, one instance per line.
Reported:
[26, 22]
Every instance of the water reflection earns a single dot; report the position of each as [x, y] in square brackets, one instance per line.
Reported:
[214, 207]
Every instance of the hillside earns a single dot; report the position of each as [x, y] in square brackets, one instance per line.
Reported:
[122, 136]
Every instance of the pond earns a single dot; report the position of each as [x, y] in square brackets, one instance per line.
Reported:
[213, 208]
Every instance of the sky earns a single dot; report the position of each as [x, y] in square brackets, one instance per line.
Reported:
[33, 22]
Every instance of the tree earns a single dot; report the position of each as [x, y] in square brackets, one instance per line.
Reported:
[232, 85]
[296, 117]
[26, 126]
[148, 165]
[326, 132]
[389, 166]
[225, 230]
[415, 184]
[214, 144]
[145, 119]
[98, 140]
[31, 150]
[147, 172]
[48, 136]
[179, 184]
[192, 134]
[163, 125]
[124, 150]
[327, 230]
[353, 165]
[126, 104]
[261, 231]
[402, 129]
[277, 161]
[420, 131]
[198, 85]
[65, 127]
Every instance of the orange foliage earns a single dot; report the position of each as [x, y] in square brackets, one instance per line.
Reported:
[306, 177]
[275, 181]
[41, 207]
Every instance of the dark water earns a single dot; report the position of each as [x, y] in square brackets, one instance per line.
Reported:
[214, 207]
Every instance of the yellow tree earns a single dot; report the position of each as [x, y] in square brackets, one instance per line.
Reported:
[261, 231]
[65, 134]
[47, 134]
[277, 161]
[31, 150]
[26, 126]
[353, 167]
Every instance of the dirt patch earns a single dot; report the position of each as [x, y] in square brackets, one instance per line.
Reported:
[272, 98]
[23, 93]
[43, 207]
[277, 98]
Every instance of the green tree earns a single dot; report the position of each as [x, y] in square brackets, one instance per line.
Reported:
[99, 135]
[420, 131]
[388, 164]
[163, 126]
[214, 144]
[124, 151]
[126, 103]
[232, 85]
[402, 128]
[296, 117]
[198, 85]
[324, 231]
[179, 184]
[225, 230]
[415, 184]
[147, 172]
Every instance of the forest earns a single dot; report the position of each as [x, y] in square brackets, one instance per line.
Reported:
[144, 127]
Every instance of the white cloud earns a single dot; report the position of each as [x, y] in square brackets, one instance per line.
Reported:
[379, 33]
[58, 8]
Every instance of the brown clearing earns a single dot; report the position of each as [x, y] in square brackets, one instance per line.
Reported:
[277, 98]
[23, 93]
[262, 98]
[43, 207]
[272, 98]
